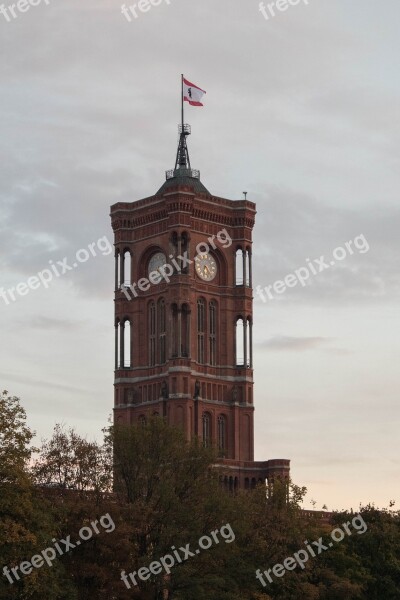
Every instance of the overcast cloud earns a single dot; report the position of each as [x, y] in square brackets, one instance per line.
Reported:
[302, 112]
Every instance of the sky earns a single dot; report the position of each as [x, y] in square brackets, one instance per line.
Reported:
[302, 112]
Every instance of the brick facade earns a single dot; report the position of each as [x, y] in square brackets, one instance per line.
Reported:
[176, 352]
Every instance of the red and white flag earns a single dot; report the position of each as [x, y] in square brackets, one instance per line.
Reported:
[192, 93]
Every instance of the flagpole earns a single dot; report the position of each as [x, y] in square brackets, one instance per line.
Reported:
[182, 115]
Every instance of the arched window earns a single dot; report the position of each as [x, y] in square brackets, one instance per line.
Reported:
[201, 330]
[152, 334]
[239, 271]
[162, 331]
[206, 430]
[249, 345]
[240, 350]
[213, 332]
[222, 433]
[117, 270]
[185, 333]
[127, 264]
[243, 267]
[185, 250]
[249, 269]
[127, 343]
[175, 330]
[174, 242]
[117, 344]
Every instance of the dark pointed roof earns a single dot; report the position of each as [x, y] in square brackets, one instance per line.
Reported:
[187, 177]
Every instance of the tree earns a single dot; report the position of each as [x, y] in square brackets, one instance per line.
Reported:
[25, 525]
[173, 497]
[69, 462]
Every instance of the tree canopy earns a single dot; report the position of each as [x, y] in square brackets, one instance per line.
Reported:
[163, 497]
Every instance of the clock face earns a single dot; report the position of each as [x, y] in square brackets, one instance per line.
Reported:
[157, 261]
[206, 267]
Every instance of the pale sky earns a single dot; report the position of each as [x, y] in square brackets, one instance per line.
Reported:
[302, 112]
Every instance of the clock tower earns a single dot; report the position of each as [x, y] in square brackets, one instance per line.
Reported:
[184, 318]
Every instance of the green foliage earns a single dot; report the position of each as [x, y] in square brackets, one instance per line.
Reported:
[15, 437]
[25, 525]
[69, 461]
[161, 492]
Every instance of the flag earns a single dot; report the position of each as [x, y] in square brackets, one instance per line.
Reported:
[192, 93]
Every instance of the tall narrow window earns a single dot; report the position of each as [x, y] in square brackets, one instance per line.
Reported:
[162, 332]
[117, 269]
[174, 332]
[222, 433]
[127, 343]
[239, 271]
[185, 333]
[117, 344]
[185, 249]
[213, 332]
[142, 420]
[127, 268]
[152, 334]
[206, 430]
[249, 345]
[201, 330]
[249, 267]
[240, 342]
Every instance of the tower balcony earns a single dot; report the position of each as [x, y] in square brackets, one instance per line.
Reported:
[185, 129]
[172, 173]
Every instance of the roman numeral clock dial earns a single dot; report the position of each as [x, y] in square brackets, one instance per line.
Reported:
[206, 267]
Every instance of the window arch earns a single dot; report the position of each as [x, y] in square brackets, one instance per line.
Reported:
[162, 331]
[123, 343]
[239, 271]
[206, 430]
[249, 343]
[201, 330]
[174, 240]
[213, 332]
[123, 267]
[243, 267]
[117, 257]
[127, 340]
[152, 333]
[117, 344]
[240, 341]
[222, 433]
[249, 268]
[174, 332]
[185, 331]
[126, 267]
[185, 249]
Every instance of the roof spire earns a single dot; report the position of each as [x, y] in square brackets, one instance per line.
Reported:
[182, 162]
[183, 174]
[182, 155]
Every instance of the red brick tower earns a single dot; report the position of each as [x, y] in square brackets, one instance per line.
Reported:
[184, 317]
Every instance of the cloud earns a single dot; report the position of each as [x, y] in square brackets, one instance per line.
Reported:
[90, 105]
[296, 227]
[31, 381]
[293, 344]
[49, 324]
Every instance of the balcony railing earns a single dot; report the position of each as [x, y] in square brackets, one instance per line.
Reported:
[171, 173]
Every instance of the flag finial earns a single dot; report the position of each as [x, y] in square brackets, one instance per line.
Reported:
[183, 172]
